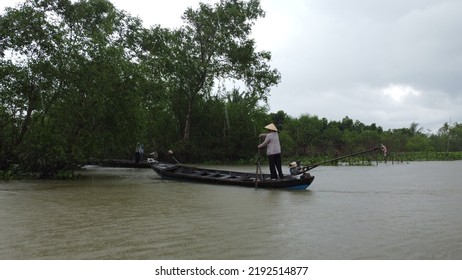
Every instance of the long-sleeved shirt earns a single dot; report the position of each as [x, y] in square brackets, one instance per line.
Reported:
[272, 144]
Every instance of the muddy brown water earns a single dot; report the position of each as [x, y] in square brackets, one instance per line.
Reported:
[389, 211]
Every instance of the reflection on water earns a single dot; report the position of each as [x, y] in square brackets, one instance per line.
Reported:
[407, 211]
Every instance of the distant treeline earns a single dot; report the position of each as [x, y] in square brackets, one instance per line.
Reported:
[315, 139]
[82, 81]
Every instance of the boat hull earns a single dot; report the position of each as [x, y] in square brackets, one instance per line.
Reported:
[233, 178]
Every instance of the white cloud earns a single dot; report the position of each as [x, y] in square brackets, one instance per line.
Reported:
[400, 92]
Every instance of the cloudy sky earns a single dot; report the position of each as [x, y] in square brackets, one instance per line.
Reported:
[388, 62]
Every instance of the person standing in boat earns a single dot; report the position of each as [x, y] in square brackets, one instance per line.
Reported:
[273, 150]
[139, 151]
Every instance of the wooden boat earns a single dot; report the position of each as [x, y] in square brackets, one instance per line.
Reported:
[298, 179]
[124, 163]
[222, 177]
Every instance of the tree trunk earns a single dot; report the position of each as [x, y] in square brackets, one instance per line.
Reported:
[187, 125]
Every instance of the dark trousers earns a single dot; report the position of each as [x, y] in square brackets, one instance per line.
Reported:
[137, 157]
[275, 165]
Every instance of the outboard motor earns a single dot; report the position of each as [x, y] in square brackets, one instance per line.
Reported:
[295, 168]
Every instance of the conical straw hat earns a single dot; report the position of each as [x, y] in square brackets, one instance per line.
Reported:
[271, 127]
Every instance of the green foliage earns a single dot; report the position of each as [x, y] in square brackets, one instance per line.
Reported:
[424, 156]
[214, 44]
[71, 91]
[82, 80]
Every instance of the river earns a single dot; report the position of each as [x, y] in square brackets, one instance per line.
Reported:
[389, 211]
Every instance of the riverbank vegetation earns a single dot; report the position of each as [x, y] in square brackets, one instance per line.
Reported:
[83, 81]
